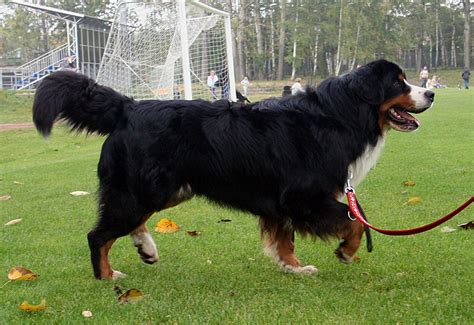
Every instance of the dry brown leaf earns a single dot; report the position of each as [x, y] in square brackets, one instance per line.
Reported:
[131, 296]
[79, 193]
[467, 225]
[409, 183]
[194, 233]
[166, 226]
[19, 273]
[413, 200]
[25, 305]
[13, 222]
[5, 197]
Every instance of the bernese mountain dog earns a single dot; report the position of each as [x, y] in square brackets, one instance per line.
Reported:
[283, 160]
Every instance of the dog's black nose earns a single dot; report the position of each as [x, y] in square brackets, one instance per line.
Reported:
[430, 95]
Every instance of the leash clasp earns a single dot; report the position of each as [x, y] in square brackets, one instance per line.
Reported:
[347, 186]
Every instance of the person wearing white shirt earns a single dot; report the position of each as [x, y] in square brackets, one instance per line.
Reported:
[296, 88]
[212, 80]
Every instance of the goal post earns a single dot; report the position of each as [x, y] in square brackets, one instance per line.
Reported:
[167, 49]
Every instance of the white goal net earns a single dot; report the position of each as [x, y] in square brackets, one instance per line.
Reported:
[168, 50]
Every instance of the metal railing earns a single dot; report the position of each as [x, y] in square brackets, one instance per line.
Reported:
[28, 74]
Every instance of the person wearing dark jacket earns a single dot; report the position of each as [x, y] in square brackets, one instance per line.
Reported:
[465, 77]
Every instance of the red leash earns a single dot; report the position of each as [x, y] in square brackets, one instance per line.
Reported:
[354, 210]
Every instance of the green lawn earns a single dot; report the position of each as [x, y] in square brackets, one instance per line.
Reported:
[222, 276]
[15, 107]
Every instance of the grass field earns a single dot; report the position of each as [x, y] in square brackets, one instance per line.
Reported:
[222, 276]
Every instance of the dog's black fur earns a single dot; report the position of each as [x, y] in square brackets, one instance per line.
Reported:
[283, 160]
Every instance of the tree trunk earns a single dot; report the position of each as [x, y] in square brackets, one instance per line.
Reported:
[330, 62]
[272, 47]
[339, 39]
[467, 32]
[444, 51]
[316, 51]
[437, 28]
[453, 44]
[356, 49]
[241, 40]
[281, 43]
[259, 35]
[431, 51]
[293, 61]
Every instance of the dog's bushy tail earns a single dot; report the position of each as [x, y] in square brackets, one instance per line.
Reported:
[77, 99]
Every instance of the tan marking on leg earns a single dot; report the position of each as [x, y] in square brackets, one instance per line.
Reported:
[106, 271]
[279, 245]
[351, 241]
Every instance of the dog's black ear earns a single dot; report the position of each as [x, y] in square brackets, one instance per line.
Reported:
[367, 85]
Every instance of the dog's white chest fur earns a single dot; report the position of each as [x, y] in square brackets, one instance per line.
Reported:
[366, 161]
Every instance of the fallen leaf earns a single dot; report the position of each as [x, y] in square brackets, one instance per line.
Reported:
[224, 220]
[13, 222]
[356, 259]
[79, 193]
[413, 200]
[19, 273]
[87, 313]
[131, 296]
[118, 290]
[166, 226]
[447, 229]
[194, 233]
[25, 305]
[467, 225]
[5, 197]
[409, 183]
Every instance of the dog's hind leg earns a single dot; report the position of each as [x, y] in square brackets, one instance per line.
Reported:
[142, 238]
[119, 215]
[351, 237]
[279, 244]
[100, 242]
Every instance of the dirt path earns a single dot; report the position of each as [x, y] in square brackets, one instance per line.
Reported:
[16, 126]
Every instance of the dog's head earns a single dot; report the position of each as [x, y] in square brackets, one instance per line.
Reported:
[383, 84]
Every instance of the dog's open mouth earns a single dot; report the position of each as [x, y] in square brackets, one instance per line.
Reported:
[399, 119]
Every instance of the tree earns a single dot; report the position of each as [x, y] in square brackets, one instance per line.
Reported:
[467, 32]
[281, 43]
[241, 39]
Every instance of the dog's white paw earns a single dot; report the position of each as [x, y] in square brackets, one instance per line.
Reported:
[117, 275]
[146, 247]
[343, 257]
[308, 269]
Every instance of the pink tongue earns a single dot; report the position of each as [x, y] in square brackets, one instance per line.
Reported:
[407, 116]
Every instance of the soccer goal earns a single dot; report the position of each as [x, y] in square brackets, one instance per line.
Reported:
[167, 50]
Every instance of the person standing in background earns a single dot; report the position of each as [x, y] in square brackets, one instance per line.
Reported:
[465, 77]
[424, 75]
[296, 88]
[245, 86]
[212, 80]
